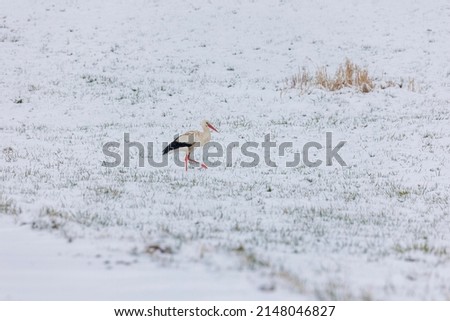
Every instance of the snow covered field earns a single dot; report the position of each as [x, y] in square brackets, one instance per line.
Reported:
[77, 74]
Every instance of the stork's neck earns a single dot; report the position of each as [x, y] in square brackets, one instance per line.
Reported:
[205, 135]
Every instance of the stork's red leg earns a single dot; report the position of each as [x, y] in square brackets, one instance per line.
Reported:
[193, 160]
[186, 158]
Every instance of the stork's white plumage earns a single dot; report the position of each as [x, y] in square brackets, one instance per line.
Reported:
[189, 140]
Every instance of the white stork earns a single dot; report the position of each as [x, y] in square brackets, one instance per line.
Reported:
[189, 140]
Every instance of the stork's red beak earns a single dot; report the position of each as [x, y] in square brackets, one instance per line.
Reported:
[212, 127]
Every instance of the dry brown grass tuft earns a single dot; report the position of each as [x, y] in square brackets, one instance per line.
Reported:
[302, 80]
[410, 84]
[348, 75]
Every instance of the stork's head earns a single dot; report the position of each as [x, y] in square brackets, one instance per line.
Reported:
[206, 123]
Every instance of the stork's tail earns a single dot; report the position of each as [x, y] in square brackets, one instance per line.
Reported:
[167, 149]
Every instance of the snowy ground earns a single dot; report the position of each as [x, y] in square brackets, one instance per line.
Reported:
[77, 75]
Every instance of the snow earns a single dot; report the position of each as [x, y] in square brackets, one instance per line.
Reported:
[39, 266]
[77, 75]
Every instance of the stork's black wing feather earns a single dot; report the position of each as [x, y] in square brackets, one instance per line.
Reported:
[175, 145]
